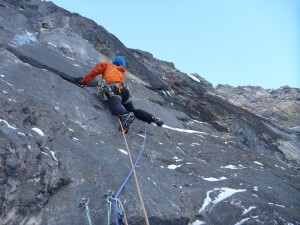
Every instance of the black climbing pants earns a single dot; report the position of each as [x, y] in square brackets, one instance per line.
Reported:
[120, 103]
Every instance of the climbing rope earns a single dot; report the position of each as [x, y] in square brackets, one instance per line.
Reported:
[109, 203]
[84, 203]
[119, 211]
[135, 176]
[131, 171]
[111, 198]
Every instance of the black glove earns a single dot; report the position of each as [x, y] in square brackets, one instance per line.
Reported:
[81, 85]
[78, 82]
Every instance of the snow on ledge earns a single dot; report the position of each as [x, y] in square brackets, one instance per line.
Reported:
[38, 130]
[184, 130]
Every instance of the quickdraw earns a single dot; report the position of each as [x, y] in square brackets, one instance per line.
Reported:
[119, 211]
[84, 203]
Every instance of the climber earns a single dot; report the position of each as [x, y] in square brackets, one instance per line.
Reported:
[117, 94]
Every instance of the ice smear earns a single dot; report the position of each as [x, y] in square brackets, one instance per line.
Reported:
[20, 40]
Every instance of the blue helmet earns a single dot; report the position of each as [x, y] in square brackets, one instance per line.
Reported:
[119, 61]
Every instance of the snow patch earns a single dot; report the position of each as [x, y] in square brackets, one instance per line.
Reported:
[11, 100]
[53, 156]
[258, 163]
[70, 58]
[123, 151]
[7, 124]
[225, 192]
[141, 135]
[50, 43]
[282, 206]
[38, 130]
[173, 166]
[167, 93]
[20, 133]
[212, 179]
[184, 130]
[242, 221]
[7, 83]
[194, 78]
[198, 222]
[232, 167]
[248, 210]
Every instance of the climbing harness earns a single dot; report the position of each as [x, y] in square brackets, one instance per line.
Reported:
[108, 89]
[84, 203]
[104, 89]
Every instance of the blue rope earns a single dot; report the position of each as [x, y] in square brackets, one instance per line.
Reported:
[127, 178]
[131, 171]
[116, 213]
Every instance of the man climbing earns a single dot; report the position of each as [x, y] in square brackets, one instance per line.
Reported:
[118, 95]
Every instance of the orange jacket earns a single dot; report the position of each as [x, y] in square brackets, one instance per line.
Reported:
[110, 73]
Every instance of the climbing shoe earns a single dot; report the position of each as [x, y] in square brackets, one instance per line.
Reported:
[126, 120]
[157, 121]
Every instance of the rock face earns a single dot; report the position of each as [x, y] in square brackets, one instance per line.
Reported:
[281, 106]
[225, 156]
